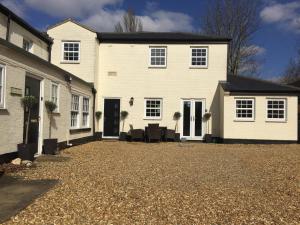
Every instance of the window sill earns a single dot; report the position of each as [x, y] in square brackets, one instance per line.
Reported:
[69, 62]
[145, 118]
[276, 121]
[240, 120]
[79, 130]
[157, 67]
[198, 67]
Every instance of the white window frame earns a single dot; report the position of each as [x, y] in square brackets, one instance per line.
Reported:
[253, 109]
[3, 86]
[73, 110]
[63, 60]
[85, 112]
[150, 57]
[284, 110]
[145, 109]
[30, 47]
[58, 95]
[191, 57]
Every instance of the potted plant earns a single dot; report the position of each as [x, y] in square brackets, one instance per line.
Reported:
[50, 145]
[123, 135]
[26, 150]
[98, 135]
[208, 136]
[176, 117]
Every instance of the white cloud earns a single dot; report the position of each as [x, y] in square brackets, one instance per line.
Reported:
[104, 21]
[158, 21]
[285, 15]
[70, 8]
[15, 5]
[102, 15]
[167, 21]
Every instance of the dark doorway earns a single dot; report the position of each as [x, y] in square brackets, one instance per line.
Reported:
[111, 117]
[32, 87]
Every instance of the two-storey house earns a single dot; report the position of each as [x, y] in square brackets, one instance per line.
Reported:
[154, 75]
[25, 69]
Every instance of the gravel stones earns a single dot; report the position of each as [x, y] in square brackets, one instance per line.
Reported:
[168, 183]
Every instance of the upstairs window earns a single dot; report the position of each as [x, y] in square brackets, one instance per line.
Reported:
[2, 82]
[71, 51]
[27, 45]
[244, 109]
[55, 95]
[85, 111]
[74, 111]
[158, 57]
[199, 57]
[276, 109]
[153, 108]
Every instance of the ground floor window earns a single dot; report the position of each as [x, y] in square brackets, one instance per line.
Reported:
[74, 111]
[2, 82]
[55, 95]
[85, 112]
[244, 109]
[276, 109]
[153, 108]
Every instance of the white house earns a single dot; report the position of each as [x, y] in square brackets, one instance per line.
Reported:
[164, 73]
[150, 75]
[25, 70]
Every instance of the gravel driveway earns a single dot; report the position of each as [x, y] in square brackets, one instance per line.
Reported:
[168, 183]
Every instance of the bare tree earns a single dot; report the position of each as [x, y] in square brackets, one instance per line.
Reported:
[292, 72]
[130, 23]
[238, 20]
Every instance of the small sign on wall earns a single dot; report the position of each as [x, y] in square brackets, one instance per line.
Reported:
[16, 91]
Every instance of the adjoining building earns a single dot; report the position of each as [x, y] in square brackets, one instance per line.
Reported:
[25, 69]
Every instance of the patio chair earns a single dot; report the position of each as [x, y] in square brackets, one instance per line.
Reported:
[136, 134]
[170, 135]
[154, 134]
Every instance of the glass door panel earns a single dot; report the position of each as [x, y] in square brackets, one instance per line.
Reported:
[198, 119]
[187, 118]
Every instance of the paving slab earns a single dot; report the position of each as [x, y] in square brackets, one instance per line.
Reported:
[17, 193]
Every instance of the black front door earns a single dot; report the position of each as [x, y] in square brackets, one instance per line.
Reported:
[32, 87]
[111, 117]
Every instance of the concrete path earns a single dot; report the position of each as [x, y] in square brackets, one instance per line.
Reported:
[16, 194]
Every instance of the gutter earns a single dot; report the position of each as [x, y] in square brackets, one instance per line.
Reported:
[8, 27]
[94, 91]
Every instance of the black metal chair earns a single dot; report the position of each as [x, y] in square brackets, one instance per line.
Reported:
[136, 134]
[170, 135]
[153, 134]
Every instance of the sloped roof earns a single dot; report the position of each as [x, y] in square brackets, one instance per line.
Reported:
[43, 36]
[156, 37]
[73, 21]
[296, 83]
[252, 85]
[41, 61]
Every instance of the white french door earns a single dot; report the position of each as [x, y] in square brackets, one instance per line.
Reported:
[192, 119]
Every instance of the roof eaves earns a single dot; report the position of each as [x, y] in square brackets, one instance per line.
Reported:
[73, 21]
[25, 25]
[42, 61]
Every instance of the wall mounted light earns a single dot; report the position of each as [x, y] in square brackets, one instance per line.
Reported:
[131, 101]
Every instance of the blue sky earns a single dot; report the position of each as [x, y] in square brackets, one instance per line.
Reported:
[278, 38]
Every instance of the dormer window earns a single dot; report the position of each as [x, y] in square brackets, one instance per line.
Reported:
[71, 51]
[27, 45]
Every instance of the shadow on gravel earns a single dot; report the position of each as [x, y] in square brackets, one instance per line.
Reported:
[16, 194]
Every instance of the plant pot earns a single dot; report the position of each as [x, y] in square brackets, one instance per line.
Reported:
[50, 146]
[123, 136]
[98, 136]
[208, 138]
[26, 151]
[177, 137]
